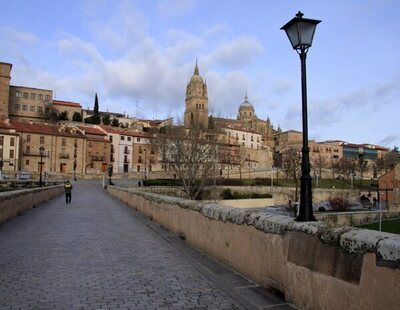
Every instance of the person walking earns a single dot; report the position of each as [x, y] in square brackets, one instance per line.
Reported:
[68, 191]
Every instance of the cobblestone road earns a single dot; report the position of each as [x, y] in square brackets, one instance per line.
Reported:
[96, 253]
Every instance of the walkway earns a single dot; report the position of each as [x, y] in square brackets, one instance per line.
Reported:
[96, 253]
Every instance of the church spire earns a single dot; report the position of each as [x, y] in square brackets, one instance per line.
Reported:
[196, 69]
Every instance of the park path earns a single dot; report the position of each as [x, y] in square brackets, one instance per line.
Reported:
[96, 253]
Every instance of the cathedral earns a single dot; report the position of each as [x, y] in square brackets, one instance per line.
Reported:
[196, 111]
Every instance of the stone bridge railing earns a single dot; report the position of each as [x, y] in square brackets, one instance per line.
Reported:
[19, 201]
[315, 265]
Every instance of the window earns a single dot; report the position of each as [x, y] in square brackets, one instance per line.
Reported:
[40, 109]
[252, 139]
[140, 149]
[129, 138]
[1, 140]
[64, 142]
[28, 149]
[18, 94]
[28, 138]
[122, 138]
[243, 138]
[47, 97]
[12, 141]
[252, 145]
[17, 107]
[26, 95]
[138, 139]
[138, 168]
[41, 139]
[110, 138]
[40, 97]
[11, 153]
[24, 107]
[243, 143]
[27, 162]
[32, 108]
[33, 96]
[140, 159]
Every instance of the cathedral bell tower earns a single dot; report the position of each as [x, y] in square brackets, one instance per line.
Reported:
[196, 102]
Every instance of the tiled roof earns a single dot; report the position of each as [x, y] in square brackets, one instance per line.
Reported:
[5, 125]
[43, 128]
[66, 103]
[92, 130]
[119, 131]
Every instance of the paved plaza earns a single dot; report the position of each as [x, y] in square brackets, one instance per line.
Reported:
[97, 253]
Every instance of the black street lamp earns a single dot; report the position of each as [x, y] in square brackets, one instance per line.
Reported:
[41, 152]
[75, 164]
[110, 173]
[300, 32]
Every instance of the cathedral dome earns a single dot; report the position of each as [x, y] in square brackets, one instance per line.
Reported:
[246, 104]
[196, 76]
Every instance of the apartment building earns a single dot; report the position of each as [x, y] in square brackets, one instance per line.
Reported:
[64, 147]
[9, 148]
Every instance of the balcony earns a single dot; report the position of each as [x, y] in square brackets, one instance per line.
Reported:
[126, 151]
[63, 155]
[97, 158]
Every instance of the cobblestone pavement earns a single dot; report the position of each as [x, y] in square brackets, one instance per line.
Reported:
[96, 253]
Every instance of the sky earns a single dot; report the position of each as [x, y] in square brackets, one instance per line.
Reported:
[138, 56]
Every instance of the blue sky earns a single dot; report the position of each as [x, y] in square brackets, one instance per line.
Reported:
[139, 55]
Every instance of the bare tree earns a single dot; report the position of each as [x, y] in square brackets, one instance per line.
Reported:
[318, 165]
[291, 165]
[361, 165]
[191, 153]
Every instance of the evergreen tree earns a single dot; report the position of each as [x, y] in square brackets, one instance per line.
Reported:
[95, 119]
[106, 119]
[115, 122]
[77, 117]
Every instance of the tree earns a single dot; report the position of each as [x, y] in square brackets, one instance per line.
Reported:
[192, 154]
[95, 118]
[106, 119]
[63, 116]
[291, 165]
[346, 167]
[391, 158]
[77, 117]
[361, 165]
[319, 164]
[115, 122]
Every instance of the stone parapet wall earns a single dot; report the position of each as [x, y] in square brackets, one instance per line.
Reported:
[355, 218]
[316, 265]
[16, 202]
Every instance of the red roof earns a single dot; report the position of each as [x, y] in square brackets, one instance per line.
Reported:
[5, 125]
[119, 131]
[92, 130]
[67, 103]
[44, 128]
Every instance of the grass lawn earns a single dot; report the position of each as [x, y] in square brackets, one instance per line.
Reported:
[390, 226]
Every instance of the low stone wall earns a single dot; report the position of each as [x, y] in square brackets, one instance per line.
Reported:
[355, 218]
[315, 265]
[16, 202]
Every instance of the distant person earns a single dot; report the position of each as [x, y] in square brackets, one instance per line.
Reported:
[68, 191]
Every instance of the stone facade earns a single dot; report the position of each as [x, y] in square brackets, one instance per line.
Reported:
[5, 77]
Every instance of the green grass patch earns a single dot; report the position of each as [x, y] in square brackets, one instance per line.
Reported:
[390, 226]
[228, 194]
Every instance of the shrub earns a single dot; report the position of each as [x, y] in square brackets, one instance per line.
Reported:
[339, 204]
[228, 194]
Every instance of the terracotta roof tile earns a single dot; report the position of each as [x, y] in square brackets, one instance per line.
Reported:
[67, 103]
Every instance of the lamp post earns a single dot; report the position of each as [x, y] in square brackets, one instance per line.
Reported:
[41, 152]
[110, 173]
[75, 164]
[300, 32]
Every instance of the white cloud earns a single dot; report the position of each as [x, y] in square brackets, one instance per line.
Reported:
[9, 33]
[175, 8]
[235, 53]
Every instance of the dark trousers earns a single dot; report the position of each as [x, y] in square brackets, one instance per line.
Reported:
[68, 197]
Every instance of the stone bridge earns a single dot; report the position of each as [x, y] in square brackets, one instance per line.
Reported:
[171, 253]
